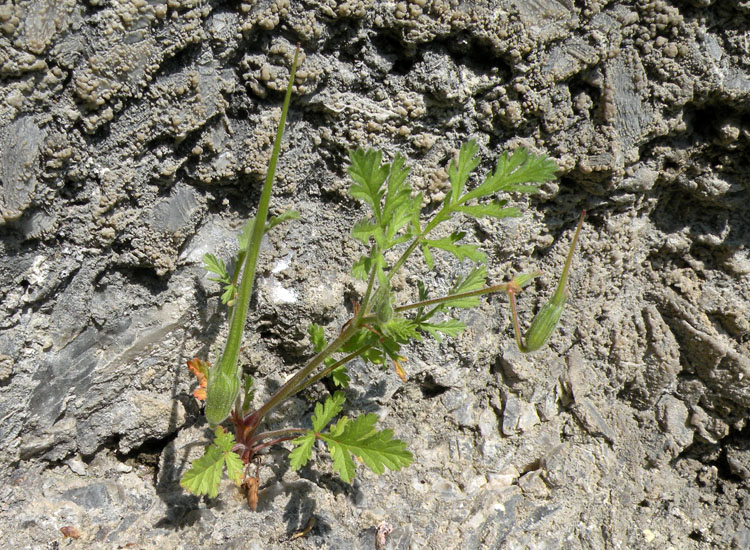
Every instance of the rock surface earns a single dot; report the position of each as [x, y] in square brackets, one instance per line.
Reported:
[134, 139]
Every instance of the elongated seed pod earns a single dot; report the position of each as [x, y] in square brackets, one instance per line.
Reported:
[546, 319]
[222, 391]
[384, 308]
[543, 325]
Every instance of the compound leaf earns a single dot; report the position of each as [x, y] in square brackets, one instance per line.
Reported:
[368, 176]
[378, 450]
[204, 476]
[340, 377]
[324, 413]
[451, 328]
[302, 450]
[216, 266]
[401, 329]
[476, 279]
[459, 172]
[460, 251]
[285, 216]
[363, 230]
[513, 172]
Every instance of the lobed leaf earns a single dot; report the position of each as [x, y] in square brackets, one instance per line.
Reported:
[229, 294]
[363, 230]
[460, 251]
[459, 172]
[513, 172]
[400, 329]
[302, 450]
[216, 266]
[317, 337]
[330, 408]
[248, 393]
[495, 209]
[450, 328]
[368, 176]
[340, 377]
[281, 218]
[476, 279]
[377, 450]
[204, 477]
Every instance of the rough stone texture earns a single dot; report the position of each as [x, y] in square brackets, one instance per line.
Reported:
[134, 139]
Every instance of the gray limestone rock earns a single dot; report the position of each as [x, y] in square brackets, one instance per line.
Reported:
[135, 138]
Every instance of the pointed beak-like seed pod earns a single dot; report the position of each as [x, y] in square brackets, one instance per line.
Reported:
[546, 319]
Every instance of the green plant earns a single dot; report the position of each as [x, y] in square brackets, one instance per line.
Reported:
[379, 329]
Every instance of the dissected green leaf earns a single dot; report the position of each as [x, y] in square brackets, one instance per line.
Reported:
[476, 279]
[317, 337]
[368, 176]
[459, 172]
[365, 264]
[302, 450]
[229, 294]
[281, 218]
[204, 477]
[401, 329]
[364, 230]
[428, 259]
[524, 279]
[512, 174]
[324, 413]
[378, 450]
[248, 393]
[451, 328]
[495, 209]
[460, 251]
[361, 268]
[340, 377]
[216, 265]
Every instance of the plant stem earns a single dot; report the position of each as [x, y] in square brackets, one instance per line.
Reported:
[432, 224]
[239, 315]
[365, 305]
[224, 380]
[502, 287]
[274, 433]
[514, 317]
[290, 386]
[274, 442]
[328, 370]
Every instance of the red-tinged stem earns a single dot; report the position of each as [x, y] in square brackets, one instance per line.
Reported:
[274, 433]
[274, 442]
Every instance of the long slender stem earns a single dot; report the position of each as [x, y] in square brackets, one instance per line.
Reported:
[432, 224]
[412, 246]
[253, 248]
[290, 385]
[365, 305]
[560, 290]
[328, 370]
[502, 287]
[274, 433]
[514, 317]
[224, 379]
[273, 442]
